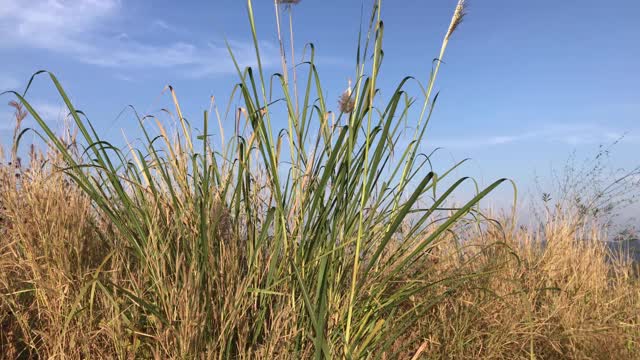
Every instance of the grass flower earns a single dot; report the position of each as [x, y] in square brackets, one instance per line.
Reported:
[346, 103]
[458, 16]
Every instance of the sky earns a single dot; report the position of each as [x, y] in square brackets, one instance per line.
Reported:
[524, 84]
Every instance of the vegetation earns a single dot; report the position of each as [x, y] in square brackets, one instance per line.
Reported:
[324, 239]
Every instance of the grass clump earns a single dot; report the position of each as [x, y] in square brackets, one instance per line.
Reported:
[324, 239]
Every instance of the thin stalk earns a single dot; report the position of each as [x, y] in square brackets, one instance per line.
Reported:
[356, 261]
[283, 57]
[293, 62]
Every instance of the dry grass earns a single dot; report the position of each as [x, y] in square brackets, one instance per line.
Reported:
[569, 299]
[313, 240]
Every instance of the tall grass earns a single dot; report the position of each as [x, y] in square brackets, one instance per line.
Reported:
[569, 299]
[314, 240]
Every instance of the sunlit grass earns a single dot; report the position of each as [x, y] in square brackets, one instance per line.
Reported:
[313, 240]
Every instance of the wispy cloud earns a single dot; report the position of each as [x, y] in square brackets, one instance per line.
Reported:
[570, 133]
[162, 25]
[83, 31]
[165, 26]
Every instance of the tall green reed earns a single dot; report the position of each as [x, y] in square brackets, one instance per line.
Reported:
[319, 220]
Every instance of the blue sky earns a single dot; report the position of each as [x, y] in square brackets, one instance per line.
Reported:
[524, 83]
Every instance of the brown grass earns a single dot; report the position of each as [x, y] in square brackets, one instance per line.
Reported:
[163, 262]
[569, 299]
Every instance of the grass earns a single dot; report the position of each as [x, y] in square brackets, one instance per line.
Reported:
[323, 239]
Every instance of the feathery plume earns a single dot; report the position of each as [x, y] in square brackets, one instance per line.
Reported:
[20, 114]
[346, 103]
[458, 16]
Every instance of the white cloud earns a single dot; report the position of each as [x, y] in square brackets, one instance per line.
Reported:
[80, 29]
[165, 26]
[162, 24]
[571, 134]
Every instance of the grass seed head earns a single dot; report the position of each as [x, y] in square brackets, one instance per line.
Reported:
[346, 103]
[458, 16]
[19, 112]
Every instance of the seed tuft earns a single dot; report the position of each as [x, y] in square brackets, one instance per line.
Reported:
[458, 16]
[346, 103]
